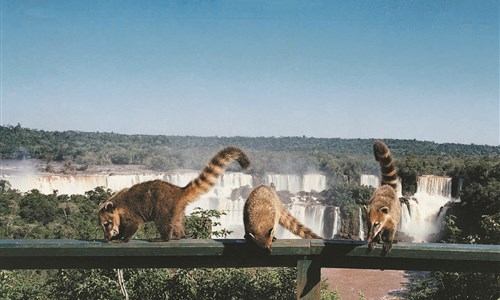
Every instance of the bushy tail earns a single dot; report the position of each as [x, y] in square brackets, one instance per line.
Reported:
[208, 177]
[387, 166]
[291, 223]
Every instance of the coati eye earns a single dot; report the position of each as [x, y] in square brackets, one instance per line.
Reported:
[107, 224]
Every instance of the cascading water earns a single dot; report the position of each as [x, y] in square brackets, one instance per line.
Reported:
[337, 223]
[312, 215]
[361, 225]
[298, 210]
[313, 182]
[369, 180]
[297, 183]
[427, 208]
[291, 183]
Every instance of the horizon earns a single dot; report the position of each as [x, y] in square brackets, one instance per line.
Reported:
[253, 137]
[413, 70]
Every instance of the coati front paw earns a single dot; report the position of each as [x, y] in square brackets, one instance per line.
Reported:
[386, 248]
[372, 245]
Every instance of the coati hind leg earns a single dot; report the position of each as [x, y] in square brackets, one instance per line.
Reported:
[170, 229]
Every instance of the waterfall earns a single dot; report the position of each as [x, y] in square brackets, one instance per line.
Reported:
[369, 180]
[291, 183]
[434, 185]
[64, 184]
[315, 218]
[313, 182]
[297, 183]
[298, 210]
[312, 215]
[337, 223]
[361, 225]
[427, 208]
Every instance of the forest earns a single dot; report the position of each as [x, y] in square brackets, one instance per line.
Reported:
[475, 219]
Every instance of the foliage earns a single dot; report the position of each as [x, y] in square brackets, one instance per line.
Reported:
[36, 207]
[200, 223]
[447, 285]
[84, 284]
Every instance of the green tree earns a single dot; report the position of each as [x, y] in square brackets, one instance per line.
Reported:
[36, 207]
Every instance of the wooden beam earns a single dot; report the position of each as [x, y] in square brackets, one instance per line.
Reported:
[308, 279]
[89, 254]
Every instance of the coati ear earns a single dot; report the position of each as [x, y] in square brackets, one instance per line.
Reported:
[385, 209]
[366, 208]
[271, 232]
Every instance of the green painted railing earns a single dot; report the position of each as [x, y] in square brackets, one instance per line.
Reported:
[309, 256]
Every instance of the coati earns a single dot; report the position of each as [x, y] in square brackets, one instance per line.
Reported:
[262, 212]
[161, 202]
[384, 209]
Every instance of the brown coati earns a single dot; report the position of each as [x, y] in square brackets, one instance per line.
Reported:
[262, 212]
[161, 202]
[384, 209]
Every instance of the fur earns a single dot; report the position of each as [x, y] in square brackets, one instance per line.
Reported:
[262, 213]
[384, 209]
[161, 202]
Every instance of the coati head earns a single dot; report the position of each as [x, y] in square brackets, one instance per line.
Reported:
[378, 218]
[264, 238]
[109, 219]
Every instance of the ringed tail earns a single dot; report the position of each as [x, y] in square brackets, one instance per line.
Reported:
[208, 177]
[291, 223]
[386, 162]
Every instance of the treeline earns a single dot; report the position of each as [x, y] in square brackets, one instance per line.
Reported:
[102, 148]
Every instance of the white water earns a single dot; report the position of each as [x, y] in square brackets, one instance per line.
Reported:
[361, 225]
[369, 180]
[297, 183]
[423, 218]
[337, 224]
[312, 215]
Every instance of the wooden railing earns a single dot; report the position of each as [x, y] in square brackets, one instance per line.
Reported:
[309, 256]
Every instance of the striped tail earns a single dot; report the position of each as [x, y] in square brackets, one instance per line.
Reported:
[291, 223]
[387, 166]
[208, 177]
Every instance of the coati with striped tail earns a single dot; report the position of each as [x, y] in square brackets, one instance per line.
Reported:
[384, 209]
[262, 212]
[161, 202]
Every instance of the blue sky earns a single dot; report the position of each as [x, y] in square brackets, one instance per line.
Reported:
[425, 70]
